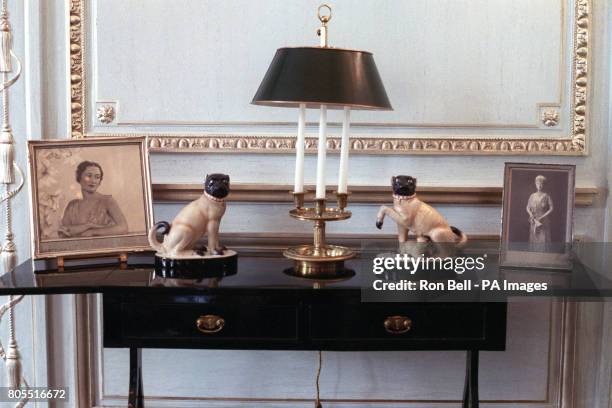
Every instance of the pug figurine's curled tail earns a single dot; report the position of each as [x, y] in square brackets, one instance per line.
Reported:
[164, 228]
[463, 239]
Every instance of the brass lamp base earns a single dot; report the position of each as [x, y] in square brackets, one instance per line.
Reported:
[319, 260]
[313, 262]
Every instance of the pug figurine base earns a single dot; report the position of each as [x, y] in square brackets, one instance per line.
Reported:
[411, 214]
[199, 218]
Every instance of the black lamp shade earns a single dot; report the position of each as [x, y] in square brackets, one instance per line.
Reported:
[318, 76]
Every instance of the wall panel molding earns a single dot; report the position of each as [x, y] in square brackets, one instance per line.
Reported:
[585, 196]
[559, 129]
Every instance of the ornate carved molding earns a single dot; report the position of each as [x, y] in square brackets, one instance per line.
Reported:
[371, 145]
[77, 70]
[105, 114]
[550, 117]
[580, 74]
[359, 194]
[574, 144]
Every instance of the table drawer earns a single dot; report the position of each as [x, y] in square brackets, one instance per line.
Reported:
[214, 324]
[396, 323]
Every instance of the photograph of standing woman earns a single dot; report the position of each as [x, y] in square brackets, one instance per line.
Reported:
[539, 208]
[94, 214]
[537, 214]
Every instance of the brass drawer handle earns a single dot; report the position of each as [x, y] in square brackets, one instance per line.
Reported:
[398, 324]
[210, 324]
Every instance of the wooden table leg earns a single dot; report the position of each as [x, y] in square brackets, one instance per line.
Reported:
[470, 391]
[135, 394]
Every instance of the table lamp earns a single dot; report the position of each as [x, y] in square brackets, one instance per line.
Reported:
[322, 78]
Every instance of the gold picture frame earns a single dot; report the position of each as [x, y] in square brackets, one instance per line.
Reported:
[89, 197]
[573, 143]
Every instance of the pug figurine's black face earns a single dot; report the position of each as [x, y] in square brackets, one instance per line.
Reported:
[217, 185]
[403, 185]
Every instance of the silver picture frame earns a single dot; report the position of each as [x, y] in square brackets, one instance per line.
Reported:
[537, 215]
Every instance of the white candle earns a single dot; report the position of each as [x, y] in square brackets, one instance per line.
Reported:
[299, 152]
[322, 153]
[344, 152]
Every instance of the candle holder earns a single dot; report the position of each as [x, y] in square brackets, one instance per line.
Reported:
[298, 199]
[342, 199]
[300, 77]
[319, 260]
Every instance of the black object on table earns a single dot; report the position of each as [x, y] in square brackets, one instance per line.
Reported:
[260, 306]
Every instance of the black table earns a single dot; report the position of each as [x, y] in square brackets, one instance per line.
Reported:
[260, 306]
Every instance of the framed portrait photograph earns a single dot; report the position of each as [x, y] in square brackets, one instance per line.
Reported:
[89, 196]
[538, 210]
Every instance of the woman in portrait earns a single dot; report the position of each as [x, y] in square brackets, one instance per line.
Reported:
[95, 214]
[539, 207]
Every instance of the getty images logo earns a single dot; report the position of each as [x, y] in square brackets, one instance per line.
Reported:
[412, 264]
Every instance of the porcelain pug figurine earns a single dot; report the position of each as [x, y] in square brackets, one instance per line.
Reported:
[411, 214]
[201, 216]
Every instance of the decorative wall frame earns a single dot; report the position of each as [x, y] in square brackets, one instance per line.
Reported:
[556, 130]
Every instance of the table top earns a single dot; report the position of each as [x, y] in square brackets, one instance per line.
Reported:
[270, 271]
